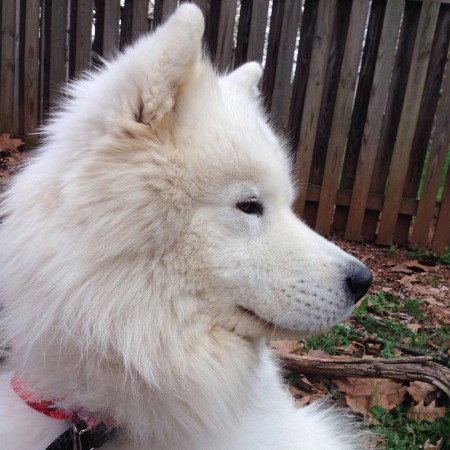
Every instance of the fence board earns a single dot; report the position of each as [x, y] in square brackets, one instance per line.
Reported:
[31, 66]
[163, 9]
[374, 117]
[342, 114]
[422, 132]
[334, 66]
[408, 119]
[280, 95]
[111, 27]
[219, 32]
[251, 32]
[7, 66]
[139, 19]
[360, 106]
[257, 33]
[302, 70]
[436, 161]
[81, 30]
[58, 50]
[313, 95]
[374, 201]
[410, 22]
[441, 237]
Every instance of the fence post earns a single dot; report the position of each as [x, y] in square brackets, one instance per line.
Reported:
[374, 118]
[7, 65]
[408, 120]
[342, 115]
[313, 96]
[31, 65]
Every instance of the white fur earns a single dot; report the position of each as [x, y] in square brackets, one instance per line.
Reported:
[126, 267]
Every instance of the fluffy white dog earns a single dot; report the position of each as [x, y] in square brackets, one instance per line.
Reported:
[148, 250]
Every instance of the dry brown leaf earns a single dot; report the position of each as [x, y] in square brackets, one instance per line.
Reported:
[6, 142]
[400, 268]
[429, 413]
[414, 327]
[417, 267]
[299, 402]
[284, 345]
[318, 354]
[360, 404]
[419, 390]
[385, 393]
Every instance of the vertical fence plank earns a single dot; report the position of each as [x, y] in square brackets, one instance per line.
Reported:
[342, 114]
[139, 20]
[397, 88]
[422, 133]
[286, 46]
[257, 31]
[81, 34]
[313, 95]
[334, 65]
[251, 32]
[111, 27]
[302, 70]
[436, 161]
[375, 110]
[58, 50]
[224, 51]
[408, 119]
[7, 66]
[31, 67]
[362, 97]
[163, 9]
[441, 238]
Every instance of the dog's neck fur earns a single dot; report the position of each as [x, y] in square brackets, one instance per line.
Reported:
[210, 393]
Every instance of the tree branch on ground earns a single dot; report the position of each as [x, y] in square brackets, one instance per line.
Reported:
[420, 368]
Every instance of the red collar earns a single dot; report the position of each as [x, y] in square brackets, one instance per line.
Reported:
[47, 407]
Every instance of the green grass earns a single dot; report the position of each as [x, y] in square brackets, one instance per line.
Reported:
[403, 433]
[377, 320]
[427, 255]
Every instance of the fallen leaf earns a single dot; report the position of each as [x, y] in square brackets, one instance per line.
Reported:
[417, 267]
[400, 268]
[414, 327]
[419, 390]
[284, 345]
[318, 354]
[429, 413]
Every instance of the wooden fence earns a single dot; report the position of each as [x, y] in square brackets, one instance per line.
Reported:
[359, 85]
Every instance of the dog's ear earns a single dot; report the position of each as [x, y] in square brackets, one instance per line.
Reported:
[247, 78]
[163, 62]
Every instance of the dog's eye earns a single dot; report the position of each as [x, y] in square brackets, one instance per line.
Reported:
[251, 206]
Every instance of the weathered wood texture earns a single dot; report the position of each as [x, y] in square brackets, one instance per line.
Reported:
[376, 105]
[7, 65]
[419, 368]
[313, 95]
[367, 106]
[342, 114]
[408, 120]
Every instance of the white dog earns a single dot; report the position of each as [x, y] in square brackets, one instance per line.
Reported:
[148, 250]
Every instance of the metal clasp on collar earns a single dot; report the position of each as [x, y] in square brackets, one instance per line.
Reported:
[79, 429]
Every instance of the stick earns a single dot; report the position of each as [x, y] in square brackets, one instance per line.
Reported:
[419, 368]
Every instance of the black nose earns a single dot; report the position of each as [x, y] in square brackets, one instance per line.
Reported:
[359, 281]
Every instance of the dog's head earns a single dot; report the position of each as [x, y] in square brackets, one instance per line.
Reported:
[162, 193]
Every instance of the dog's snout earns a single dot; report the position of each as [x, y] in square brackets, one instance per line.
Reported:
[359, 281]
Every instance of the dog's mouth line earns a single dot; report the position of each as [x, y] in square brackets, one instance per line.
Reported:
[250, 313]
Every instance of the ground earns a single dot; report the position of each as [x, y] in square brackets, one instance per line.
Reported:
[406, 314]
